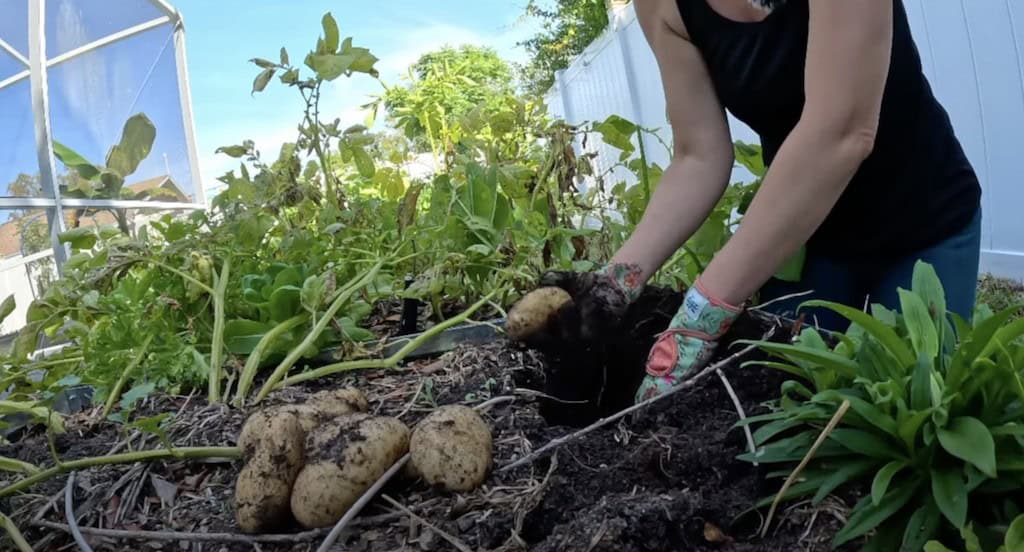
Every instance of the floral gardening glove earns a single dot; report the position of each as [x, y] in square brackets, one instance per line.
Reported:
[687, 345]
[602, 297]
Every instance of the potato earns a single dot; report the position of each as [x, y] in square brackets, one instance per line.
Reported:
[345, 457]
[320, 407]
[452, 449]
[535, 311]
[274, 453]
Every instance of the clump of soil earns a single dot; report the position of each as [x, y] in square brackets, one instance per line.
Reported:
[666, 480]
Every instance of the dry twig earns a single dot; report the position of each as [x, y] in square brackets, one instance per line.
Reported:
[703, 374]
[803, 463]
[461, 546]
[185, 536]
[72, 518]
[739, 410]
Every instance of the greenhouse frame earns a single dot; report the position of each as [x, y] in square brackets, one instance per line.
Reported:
[38, 67]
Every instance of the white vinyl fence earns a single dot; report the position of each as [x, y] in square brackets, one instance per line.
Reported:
[971, 54]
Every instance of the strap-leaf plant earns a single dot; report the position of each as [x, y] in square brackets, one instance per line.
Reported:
[935, 432]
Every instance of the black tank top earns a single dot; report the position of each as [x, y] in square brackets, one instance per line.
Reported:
[916, 188]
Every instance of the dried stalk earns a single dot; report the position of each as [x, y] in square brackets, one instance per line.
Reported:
[803, 463]
[125, 458]
[69, 514]
[739, 410]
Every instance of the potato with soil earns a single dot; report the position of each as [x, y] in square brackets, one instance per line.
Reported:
[344, 457]
[320, 407]
[535, 312]
[274, 454]
[452, 449]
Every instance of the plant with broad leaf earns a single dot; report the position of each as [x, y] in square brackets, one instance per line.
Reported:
[936, 424]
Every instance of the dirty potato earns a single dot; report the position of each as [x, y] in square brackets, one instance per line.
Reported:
[344, 457]
[535, 311]
[273, 455]
[452, 449]
[321, 406]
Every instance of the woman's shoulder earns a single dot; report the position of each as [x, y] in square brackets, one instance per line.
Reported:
[663, 14]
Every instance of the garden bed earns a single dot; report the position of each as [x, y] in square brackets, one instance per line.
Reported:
[665, 480]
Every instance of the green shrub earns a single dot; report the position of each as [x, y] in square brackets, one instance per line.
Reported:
[936, 418]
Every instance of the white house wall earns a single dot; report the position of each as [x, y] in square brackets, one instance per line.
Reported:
[972, 53]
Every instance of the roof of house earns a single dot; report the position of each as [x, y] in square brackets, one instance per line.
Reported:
[10, 231]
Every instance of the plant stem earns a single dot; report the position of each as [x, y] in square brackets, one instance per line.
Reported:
[217, 347]
[115, 393]
[644, 176]
[186, 453]
[19, 540]
[252, 363]
[188, 278]
[321, 324]
[393, 360]
[18, 466]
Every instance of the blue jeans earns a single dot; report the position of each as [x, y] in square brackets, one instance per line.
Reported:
[857, 282]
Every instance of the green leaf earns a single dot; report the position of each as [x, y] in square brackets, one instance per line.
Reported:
[618, 133]
[241, 336]
[880, 484]
[866, 443]
[969, 439]
[79, 238]
[363, 162]
[263, 63]
[137, 139]
[866, 515]
[878, 329]
[750, 157]
[871, 414]
[285, 302]
[935, 546]
[74, 161]
[232, 151]
[312, 294]
[261, 80]
[847, 471]
[1014, 540]
[828, 359]
[330, 66]
[921, 526]
[793, 267]
[284, 56]
[920, 325]
[921, 384]
[331, 34]
[950, 494]
[7, 307]
[135, 394]
[17, 466]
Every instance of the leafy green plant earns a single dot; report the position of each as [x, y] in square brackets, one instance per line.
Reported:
[1013, 539]
[936, 424]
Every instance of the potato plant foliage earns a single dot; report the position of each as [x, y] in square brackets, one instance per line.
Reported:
[935, 429]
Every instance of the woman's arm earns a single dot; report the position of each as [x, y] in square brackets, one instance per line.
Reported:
[847, 64]
[702, 159]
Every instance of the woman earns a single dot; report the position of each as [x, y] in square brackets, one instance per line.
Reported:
[864, 169]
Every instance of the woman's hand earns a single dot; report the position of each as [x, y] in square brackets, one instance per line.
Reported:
[602, 297]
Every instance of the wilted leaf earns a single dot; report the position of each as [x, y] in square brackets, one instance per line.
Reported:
[330, 32]
[7, 307]
[261, 80]
[263, 63]
[166, 490]
[137, 139]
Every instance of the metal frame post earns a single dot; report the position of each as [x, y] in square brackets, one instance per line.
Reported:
[43, 130]
[185, 96]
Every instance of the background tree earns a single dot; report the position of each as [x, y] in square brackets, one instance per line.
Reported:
[567, 27]
[443, 85]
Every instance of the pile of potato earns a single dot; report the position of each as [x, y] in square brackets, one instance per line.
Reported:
[311, 462]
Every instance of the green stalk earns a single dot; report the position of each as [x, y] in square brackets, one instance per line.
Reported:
[321, 324]
[252, 363]
[188, 278]
[217, 347]
[17, 466]
[185, 453]
[644, 176]
[19, 540]
[393, 360]
[115, 393]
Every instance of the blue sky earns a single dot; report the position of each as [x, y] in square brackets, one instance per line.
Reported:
[224, 35]
[91, 96]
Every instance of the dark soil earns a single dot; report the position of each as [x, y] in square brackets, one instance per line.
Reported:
[666, 480]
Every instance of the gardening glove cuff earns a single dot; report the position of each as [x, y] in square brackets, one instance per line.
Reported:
[688, 343]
